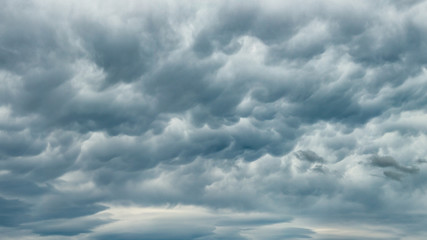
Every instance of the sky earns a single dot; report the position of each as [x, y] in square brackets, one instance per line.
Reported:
[213, 120]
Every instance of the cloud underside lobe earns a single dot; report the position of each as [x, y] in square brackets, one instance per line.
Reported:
[213, 120]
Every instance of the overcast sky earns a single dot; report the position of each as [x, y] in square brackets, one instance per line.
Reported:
[126, 120]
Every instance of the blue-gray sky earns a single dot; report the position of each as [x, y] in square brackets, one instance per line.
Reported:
[213, 120]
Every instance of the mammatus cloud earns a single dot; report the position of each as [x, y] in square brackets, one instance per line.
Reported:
[213, 120]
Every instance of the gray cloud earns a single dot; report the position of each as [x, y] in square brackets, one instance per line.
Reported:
[61, 227]
[393, 175]
[387, 161]
[13, 212]
[309, 156]
[223, 109]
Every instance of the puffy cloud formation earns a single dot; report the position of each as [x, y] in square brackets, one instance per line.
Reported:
[213, 120]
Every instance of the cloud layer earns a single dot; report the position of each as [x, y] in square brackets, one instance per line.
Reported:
[213, 120]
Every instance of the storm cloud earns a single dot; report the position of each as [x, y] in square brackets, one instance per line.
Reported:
[213, 120]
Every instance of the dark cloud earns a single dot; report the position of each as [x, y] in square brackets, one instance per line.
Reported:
[422, 161]
[197, 115]
[20, 186]
[393, 175]
[387, 161]
[309, 156]
[13, 212]
[252, 221]
[52, 207]
[63, 227]
[295, 233]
